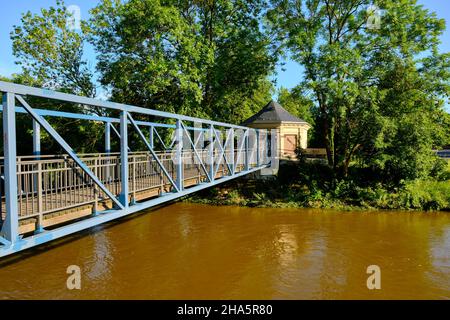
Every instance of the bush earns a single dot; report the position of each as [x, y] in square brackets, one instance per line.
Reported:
[427, 195]
[312, 184]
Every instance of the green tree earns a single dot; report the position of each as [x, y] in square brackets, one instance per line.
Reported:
[51, 55]
[202, 58]
[148, 54]
[235, 107]
[242, 57]
[49, 51]
[350, 66]
[296, 103]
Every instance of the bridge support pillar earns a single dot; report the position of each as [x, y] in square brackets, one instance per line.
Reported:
[231, 157]
[211, 152]
[11, 223]
[107, 137]
[38, 175]
[123, 198]
[246, 145]
[258, 163]
[151, 137]
[179, 155]
[36, 138]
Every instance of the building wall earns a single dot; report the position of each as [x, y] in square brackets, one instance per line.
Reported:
[300, 130]
[304, 137]
[287, 128]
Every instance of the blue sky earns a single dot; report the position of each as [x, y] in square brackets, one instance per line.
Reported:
[12, 11]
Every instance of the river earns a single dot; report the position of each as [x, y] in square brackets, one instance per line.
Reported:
[191, 251]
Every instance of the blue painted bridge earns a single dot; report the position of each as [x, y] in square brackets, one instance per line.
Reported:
[161, 156]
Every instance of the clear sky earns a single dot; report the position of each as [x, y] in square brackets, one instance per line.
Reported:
[12, 10]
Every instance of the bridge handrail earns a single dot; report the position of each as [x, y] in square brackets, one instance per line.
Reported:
[56, 95]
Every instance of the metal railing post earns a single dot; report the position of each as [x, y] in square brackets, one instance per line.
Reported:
[231, 158]
[274, 149]
[133, 166]
[10, 228]
[123, 198]
[38, 178]
[39, 197]
[107, 137]
[108, 150]
[161, 180]
[257, 148]
[211, 150]
[246, 145]
[36, 138]
[151, 137]
[96, 171]
[179, 155]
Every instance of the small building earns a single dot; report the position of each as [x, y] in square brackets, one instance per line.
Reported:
[292, 131]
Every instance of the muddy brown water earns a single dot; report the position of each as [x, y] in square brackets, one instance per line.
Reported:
[190, 251]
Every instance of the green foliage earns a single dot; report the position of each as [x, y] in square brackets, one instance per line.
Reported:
[201, 58]
[148, 54]
[51, 56]
[310, 184]
[378, 93]
[50, 52]
[428, 195]
[236, 107]
[295, 103]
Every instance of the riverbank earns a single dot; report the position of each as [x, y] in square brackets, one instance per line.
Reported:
[311, 187]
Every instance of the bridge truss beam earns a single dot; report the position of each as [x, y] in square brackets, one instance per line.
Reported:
[186, 165]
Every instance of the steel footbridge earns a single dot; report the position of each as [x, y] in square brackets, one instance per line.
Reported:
[48, 196]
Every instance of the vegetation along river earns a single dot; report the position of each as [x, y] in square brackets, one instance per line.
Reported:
[185, 251]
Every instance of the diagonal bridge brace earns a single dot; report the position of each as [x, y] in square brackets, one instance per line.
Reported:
[5, 242]
[160, 139]
[195, 151]
[117, 133]
[52, 132]
[149, 147]
[222, 150]
[238, 157]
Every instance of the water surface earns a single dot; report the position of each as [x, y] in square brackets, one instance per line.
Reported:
[190, 251]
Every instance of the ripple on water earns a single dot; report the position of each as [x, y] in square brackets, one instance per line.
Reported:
[197, 251]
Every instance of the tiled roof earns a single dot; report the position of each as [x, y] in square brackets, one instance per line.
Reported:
[272, 112]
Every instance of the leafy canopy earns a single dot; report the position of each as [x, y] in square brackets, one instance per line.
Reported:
[203, 58]
[51, 52]
[377, 89]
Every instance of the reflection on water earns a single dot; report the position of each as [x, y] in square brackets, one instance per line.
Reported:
[98, 266]
[186, 251]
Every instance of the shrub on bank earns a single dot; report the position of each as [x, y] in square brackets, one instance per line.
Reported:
[427, 195]
[313, 185]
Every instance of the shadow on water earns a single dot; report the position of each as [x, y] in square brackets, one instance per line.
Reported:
[43, 248]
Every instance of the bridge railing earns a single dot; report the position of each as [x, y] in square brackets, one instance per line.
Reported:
[39, 192]
[54, 184]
